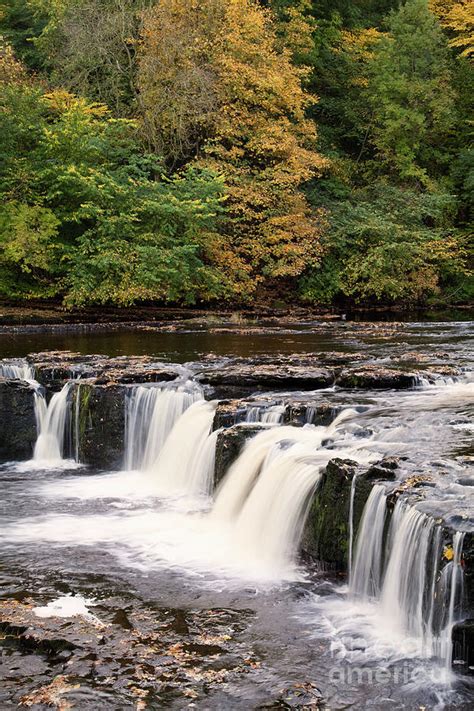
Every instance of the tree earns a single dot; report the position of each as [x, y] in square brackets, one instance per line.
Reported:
[88, 215]
[388, 244]
[215, 82]
[457, 16]
[411, 95]
[88, 47]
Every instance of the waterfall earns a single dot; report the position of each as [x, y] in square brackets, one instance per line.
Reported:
[443, 644]
[270, 415]
[77, 415]
[403, 591]
[415, 597]
[274, 414]
[52, 425]
[365, 576]
[185, 463]
[16, 370]
[151, 413]
[351, 522]
[253, 414]
[265, 494]
[273, 515]
[20, 370]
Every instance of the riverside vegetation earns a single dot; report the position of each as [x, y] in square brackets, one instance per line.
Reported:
[211, 151]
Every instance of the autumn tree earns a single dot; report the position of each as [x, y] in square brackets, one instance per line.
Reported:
[216, 83]
[457, 16]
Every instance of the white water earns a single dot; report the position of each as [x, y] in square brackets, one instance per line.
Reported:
[408, 569]
[272, 415]
[17, 370]
[68, 606]
[365, 577]
[151, 413]
[252, 531]
[351, 522]
[442, 646]
[415, 601]
[185, 463]
[52, 419]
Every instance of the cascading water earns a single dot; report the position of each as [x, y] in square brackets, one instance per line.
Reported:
[169, 439]
[414, 596]
[267, 415]
[151, 413]
[351, 522]
[365, 576]
[442, 644]
[407, 569]
[16, 370]
[52, 426]
[21, 370]
[266, 492]
[185, 463]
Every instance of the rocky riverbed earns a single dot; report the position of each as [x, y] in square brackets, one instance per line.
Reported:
[166, 620]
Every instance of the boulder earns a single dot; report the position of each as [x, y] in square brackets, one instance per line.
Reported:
[54, 368]
[230, 443]
[98, 424]
[238, 379]
[376, 378]
[326, 533]
[18, 422]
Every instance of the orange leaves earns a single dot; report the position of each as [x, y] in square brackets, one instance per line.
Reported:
[217, 85]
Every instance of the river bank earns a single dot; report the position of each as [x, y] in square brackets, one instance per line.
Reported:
[45, 316]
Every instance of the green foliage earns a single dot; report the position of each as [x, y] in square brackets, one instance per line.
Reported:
[411, 95]
[387, 244]
[86, 213]
[20, 23]
[193, 150]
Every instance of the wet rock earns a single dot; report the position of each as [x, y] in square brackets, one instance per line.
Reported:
[385, 469]
[299, 696]
[18, 422]
[230, 443]
[374, 377]
[230, 412]
[321, 414]
[120, 618]
[463, 647]
[236, 378]
[99, 424]
[326, 533]
[54, 368]
[294, 412]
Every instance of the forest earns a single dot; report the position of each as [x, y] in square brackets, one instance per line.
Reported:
[236, 151]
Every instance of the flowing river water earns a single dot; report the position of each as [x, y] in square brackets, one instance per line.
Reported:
[208, 585]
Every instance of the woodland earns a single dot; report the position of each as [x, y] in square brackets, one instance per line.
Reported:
[236, 152]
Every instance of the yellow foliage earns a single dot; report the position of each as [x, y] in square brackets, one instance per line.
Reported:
[11, 70]
[448, 553]
[61, 101]
[457, 16]
[217, 83]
